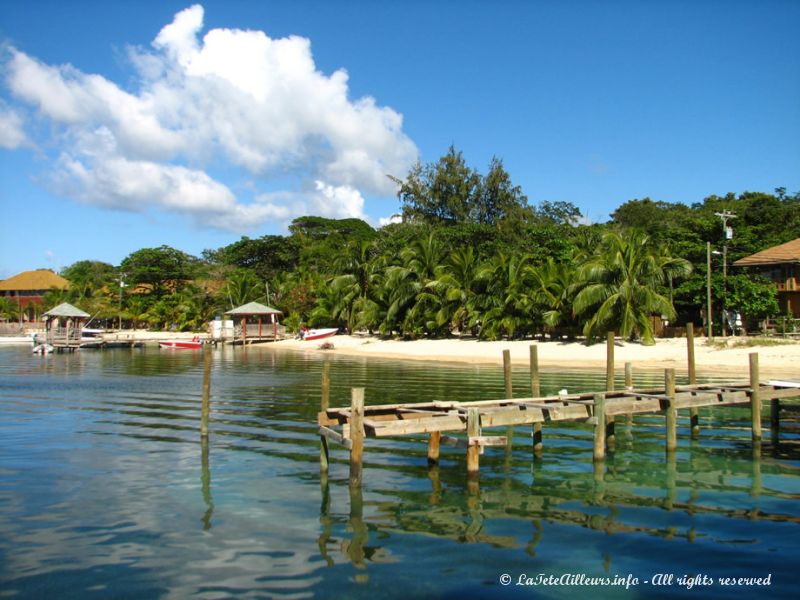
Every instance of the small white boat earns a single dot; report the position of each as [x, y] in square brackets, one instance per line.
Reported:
[318, 334]
[43, 349]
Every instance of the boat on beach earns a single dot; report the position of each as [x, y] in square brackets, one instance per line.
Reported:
[181, 344]
[318, 334]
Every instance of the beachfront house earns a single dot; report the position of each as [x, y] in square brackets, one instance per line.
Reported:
[781, 265]
[27, 290]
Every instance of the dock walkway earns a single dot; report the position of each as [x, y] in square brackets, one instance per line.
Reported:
[443, 421]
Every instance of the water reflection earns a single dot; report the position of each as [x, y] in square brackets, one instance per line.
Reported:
[99, 485]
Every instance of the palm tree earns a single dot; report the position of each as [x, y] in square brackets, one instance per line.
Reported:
[507, 307]
[553, 293]
[455, 285]
[620, 286]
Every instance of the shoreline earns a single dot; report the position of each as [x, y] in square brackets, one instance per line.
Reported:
[781, 360]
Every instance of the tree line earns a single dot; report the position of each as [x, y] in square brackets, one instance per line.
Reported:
[469, 255]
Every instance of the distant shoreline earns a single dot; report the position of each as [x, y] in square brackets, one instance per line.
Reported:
[781, 360]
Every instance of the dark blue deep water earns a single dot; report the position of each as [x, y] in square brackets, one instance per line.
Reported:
[106, 490]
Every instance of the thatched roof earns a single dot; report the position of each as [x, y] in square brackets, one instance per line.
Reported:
[41, 279]
[67, 310]
[785, 253]
[254, 308]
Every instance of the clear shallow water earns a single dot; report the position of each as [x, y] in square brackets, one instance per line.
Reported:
[106, 490]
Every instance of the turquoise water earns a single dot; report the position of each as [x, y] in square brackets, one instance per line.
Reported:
[106, 490]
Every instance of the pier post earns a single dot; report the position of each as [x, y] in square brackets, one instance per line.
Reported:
[629, 386]
[672, 411]
[611, 437]
[434, 441]
[775, 420]
[473, 450]
[509, 391]
[507, 373]
[356, 435]
[599, 427]
[694, 412]
[755, 398]
[206, 403]
[536, 392]
[324, 404]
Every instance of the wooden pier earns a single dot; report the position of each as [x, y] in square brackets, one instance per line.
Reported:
[465, 425]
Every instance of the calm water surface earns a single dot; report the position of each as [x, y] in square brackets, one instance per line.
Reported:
[106, 490]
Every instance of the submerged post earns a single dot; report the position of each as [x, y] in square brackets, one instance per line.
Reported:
[755, 398]
[324, 404]
[536, 392]
[694, 412]
[473, 449]
[356, 435]
[206, 405]
[672, 411]
[599, 427]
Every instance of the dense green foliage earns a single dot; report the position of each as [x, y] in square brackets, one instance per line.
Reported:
[470, 257]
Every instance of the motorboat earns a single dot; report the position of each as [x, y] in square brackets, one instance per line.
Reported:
[318, 334]
[182, 344]
[43, 349]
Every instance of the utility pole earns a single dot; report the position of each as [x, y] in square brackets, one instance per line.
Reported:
[728, 231]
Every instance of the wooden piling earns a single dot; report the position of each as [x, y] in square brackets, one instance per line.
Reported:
[629, 386]
[356, 435]
[628, 376]
[610, 361]
[434, 441]
[755, 398]
[324, 404]
[671, 410]
[507, 373]
[473, 449]
[694, 412]
[599, 427]
[205, 409]
[611, 438]
[775, 420]
[536, 392]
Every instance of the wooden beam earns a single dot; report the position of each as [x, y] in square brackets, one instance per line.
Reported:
[205, 409]
[536, 430]
[390, 428]
[486, 440]
[329, 434]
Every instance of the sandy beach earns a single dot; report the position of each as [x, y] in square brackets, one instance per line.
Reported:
[781, 360]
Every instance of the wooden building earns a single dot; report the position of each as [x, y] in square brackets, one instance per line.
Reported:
[781, 265]
[28, 289]
[257, 323]
[63, 326]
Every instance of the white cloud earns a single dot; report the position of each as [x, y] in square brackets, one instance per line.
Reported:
[12, 132]
[252, 107]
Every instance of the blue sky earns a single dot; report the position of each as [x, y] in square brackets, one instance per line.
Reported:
[133, 124]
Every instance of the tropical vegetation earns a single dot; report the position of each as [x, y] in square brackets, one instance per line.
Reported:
[470, 256]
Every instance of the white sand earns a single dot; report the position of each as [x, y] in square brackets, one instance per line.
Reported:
[774, 361]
